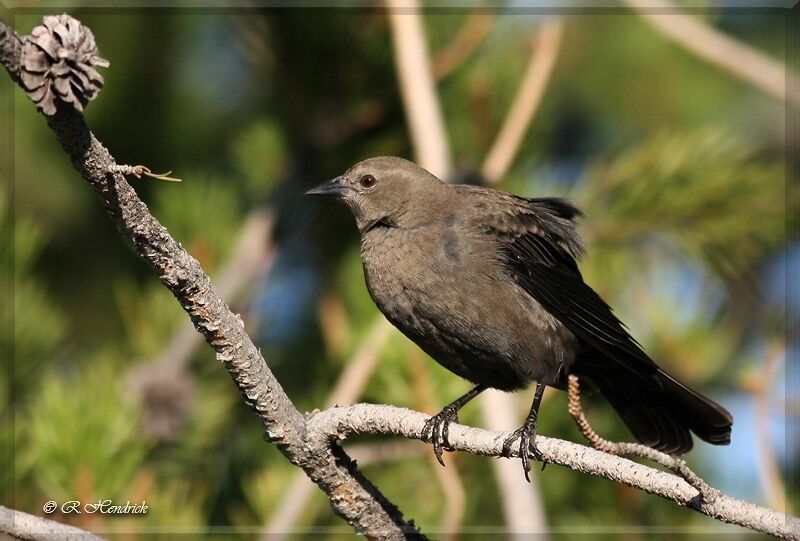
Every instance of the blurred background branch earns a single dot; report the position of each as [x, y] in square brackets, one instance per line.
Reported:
[724, 52]
[424, 116]
[545, 47]
[522, 506]
[469, 37]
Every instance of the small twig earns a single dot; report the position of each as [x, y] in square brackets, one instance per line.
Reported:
[598, 442]
[678, 466]
[738, 59]
[546, 46]
[463, 45]
[139, 170]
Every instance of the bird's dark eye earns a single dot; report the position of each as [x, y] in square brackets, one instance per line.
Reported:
[367, 181]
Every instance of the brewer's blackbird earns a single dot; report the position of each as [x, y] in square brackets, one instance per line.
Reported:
[487, 284]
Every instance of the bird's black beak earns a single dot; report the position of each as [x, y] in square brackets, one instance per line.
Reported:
[331, 188]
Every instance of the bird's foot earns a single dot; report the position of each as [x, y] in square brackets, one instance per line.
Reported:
[437, 430]
[526, 435]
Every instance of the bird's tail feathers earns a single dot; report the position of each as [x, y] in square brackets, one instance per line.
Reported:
[661, 412]
[710, 421]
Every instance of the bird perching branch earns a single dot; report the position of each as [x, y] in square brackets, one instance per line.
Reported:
[311, 441]
[346, 421]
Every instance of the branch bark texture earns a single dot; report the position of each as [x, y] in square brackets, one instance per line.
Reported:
[342, 422]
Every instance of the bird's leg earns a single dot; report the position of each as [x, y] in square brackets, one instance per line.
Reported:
[437, 428]
[527, 434]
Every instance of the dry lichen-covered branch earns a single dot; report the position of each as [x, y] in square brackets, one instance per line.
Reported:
[338, 423]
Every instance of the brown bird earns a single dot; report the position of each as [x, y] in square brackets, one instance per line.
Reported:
[487, 284]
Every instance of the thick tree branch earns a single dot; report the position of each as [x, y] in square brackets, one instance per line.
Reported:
[252, 257]
[338, 423]
[351, 495]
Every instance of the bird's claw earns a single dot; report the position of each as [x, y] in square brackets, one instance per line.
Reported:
[437, 431]
[527, 448]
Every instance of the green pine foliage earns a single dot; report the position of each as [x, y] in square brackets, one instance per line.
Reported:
[83, 438]
[707, 193]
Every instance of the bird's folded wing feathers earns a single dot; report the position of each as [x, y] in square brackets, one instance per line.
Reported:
[538, 246]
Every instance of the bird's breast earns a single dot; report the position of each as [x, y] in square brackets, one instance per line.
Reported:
[398, 261]
[452, 298]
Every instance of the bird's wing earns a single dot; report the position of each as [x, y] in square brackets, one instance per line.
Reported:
[538, 247]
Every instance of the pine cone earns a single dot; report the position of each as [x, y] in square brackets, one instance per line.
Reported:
[58, 61]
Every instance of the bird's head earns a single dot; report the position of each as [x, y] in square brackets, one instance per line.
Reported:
[385, 190]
